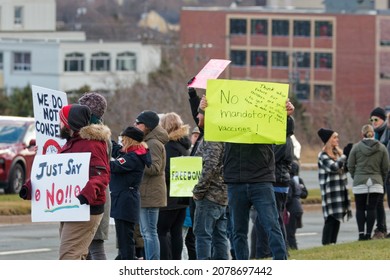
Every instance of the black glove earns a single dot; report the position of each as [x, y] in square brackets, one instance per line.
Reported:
[192, 92]
[190, 81]
[25, 193]
[82, 199]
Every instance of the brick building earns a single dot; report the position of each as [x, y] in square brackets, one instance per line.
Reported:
[332, 58]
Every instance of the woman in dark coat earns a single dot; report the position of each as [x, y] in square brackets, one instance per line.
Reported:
[126, 174]
[171, 218]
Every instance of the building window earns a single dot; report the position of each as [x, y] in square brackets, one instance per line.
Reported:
[259, 58]
[302, 59]
[126, 61]
[302, 92]
[323, 60]
[280, 27]
[323, 93]
[238, 58]
[259, 27]
[280, 59]
[100, 62]
[74, 62]
[323, 29]
[302, 28]
[18, 15]
[22, 61]
[237, 26]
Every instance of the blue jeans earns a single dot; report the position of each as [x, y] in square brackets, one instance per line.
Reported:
[261, 196]
[148, 226]
[210, 230]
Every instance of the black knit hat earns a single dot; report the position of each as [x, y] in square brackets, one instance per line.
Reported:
[325, 134]
[379, 112]
[75, 116]
[133, 133]
[149, 118]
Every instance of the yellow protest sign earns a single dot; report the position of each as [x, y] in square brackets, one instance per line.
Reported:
[185, 173]
[246, 112]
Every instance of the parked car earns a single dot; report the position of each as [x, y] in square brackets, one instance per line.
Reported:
[17, 151]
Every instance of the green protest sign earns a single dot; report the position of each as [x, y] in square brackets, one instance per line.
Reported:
[184, 173]
[246, 112]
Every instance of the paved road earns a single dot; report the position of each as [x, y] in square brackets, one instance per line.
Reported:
[39, 241]
[310, 177]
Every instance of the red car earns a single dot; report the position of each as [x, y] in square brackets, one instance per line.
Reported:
[17, 151]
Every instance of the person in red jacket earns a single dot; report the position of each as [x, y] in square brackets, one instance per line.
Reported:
[82, 137]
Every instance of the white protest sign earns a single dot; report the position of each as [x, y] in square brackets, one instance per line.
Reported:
[47, 104]
[57, 180]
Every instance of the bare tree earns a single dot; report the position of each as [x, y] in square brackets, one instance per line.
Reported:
[165, 92]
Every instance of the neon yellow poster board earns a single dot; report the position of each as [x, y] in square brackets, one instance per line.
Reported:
[246, 112]
[185, 173]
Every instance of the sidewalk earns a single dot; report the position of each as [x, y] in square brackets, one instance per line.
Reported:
[15, 219]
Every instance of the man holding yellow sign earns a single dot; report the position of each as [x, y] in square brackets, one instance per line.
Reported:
[249, 117]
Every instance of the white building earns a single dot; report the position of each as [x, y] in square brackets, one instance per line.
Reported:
[33, 53]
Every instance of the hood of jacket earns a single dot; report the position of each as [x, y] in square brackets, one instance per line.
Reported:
[142, 153]
[158, 133]
[369, 147]
[99, 132]
[181, 135]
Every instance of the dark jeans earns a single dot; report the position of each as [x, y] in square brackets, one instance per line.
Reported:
[366, 206]
[381, 215]
[330, 231]
[261, 196]
[170, 233]
[291, 229]
[190, 244]
[262, 247]
[125, 239]
[210, 230]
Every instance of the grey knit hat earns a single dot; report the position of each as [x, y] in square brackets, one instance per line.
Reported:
[96, 102]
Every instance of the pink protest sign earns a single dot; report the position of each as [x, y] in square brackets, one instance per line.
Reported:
[211, 70]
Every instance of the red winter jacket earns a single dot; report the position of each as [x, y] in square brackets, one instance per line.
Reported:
[92, 138]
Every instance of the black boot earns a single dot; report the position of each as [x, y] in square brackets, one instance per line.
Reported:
[362, 237]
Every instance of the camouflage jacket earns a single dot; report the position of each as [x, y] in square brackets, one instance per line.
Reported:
[211, 184]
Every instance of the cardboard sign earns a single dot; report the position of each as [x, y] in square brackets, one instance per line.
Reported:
[246, 112]
[56, 181]
[47, 105]
[185, 173]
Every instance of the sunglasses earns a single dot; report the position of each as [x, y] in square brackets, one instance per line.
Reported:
[374, 119]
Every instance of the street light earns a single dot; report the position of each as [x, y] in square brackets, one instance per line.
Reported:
[294, 75]
[197, 47]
